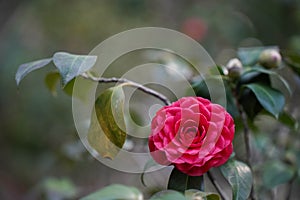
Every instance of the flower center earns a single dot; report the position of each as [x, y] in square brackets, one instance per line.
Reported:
[191, 133]
[188, 135]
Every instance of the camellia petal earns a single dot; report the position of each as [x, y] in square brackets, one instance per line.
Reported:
[193, 134]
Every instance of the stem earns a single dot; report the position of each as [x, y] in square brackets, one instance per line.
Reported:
[290, 185]
[246, 134]
[215, 184]
[130, 83]
[246, 137]
[247, 144]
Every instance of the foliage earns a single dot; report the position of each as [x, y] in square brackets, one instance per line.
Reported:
[53, 188]
[254, 83]
[110, 137]
[115, 192]
[182, 182]
[239, 176]
[131, 193]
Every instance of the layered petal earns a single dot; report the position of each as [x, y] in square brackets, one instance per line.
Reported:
[193, 134]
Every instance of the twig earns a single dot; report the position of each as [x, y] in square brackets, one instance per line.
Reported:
[247, 144]
[215, 184]
[130, 83]
[246, 134]
[246, 137]
[290, 187]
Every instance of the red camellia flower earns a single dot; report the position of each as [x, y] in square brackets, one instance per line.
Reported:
[195, 28]
[193, 134]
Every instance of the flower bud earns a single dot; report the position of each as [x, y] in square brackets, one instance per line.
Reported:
[270, 58]
[234, 67]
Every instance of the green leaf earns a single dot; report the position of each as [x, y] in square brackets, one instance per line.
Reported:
[51, 81]
[272, 100]
[249, 56]
[150, 163]
[230, 102]
[114, 192]
[188, 195]
[168, 195]
[200, 88]
[108, 138]
[60, 188]
[246, 97]
[196, 194]
[277, 81]
[253, 76]
[70, 65]
[68, 89]
[53, 78]
[180, 182]
[239, 176]
[26, 68]
[288, 120]
[292, 59]
[276, 173]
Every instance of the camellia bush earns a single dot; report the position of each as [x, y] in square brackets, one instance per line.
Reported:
[203, 140]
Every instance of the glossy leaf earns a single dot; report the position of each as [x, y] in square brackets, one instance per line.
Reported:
[286, 119]
[196, 194]
[239, 176]
[70, 65]
[254, 76]
[230, 102]
[292, 59]
[26, 68]
[275, 78]
[250, 103]
[270, 99]
[180, 182]
[249, 56]
[200, 88]
[150, 163]
[107, 131]
[114, 192]
[276, 173]
[168, 195]
[246, 97]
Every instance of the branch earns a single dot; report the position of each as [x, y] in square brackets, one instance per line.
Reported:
[290, 186]
[246, 134]
[141, 87]
[246, 137]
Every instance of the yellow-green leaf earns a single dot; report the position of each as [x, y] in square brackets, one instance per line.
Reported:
[51, 81]
[68, 89]
[107, 132]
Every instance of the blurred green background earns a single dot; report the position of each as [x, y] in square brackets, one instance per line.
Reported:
[41, 155]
